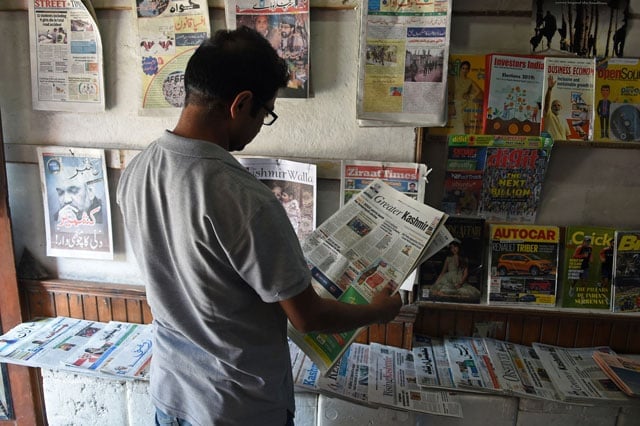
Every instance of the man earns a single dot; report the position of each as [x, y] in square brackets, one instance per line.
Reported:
[78, 203]
[583, 252]
[222, 265]
[555, 125]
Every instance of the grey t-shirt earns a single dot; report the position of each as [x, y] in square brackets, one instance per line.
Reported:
[217, 252]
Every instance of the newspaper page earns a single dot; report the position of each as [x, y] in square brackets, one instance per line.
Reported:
[285, 24]
[431, 362]
[392, 383]
[575, 374]
[44, 339]
[67, 64]
[375, 240]
[294, 184]
[168, 34]
[518, 370]
[470, 364]
[404, 51]
[20, 334]
[76, 202]
[133, 359]
[102, 345]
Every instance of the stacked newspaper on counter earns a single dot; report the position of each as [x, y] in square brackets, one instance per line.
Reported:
[103, 349]
[375, 240]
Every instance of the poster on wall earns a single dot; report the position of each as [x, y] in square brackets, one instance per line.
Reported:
[76, 202]
[169, 31]
[403, 61]
[66, 56]
[285, 24]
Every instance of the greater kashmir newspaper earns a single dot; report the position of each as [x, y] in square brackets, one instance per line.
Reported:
[376, 239]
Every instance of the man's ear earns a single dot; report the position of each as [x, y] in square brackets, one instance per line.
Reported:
[241, 103]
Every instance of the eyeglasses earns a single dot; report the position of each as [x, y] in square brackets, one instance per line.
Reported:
[270, 117]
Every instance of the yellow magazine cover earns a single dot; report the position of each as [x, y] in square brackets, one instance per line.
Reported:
[465, 85]
[617, 98]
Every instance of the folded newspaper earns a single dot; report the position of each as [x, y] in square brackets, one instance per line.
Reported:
[376, 239]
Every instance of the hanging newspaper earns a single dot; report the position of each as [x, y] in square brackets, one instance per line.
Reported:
[168, 34]
[294, 184]
[376, 239]
[66, 56]
[285, 24]
[404, 51]
[76, 202]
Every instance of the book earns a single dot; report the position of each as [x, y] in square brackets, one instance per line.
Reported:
[513, 87]
[455, 273]
[523, 262]
[465, 96]
[375, 240]
[497, 177]
[624, 371]
[626, 272]
[589, 28]
[568, 102]
[587, 267]
[618, 100]
[576, 376]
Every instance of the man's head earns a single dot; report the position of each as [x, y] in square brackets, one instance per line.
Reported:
[262, 24]
[556, 106]
[236, 73]
[287, 25]
[72, 189]
[587, 240]
[605, 90]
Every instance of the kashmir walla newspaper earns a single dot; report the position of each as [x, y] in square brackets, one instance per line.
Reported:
[376, 239]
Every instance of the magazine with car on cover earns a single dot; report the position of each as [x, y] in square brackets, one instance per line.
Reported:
[375, 240]
[523, 262]
[626, 272]
[587, 267]
[456, 273]
[513, 89]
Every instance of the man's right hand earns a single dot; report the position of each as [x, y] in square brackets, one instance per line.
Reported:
[388, 305]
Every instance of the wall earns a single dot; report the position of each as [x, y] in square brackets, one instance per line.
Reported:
[322, 127]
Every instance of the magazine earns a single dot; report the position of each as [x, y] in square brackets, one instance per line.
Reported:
[76, 202]
[575, 374]
[465, 96]
[376, 239]
[294, 184]
[568, 105]
[286, 26]
[512, 94]
[618, 100]
[587, 267]
[523, 262]
[403, 61]
[624, 371]
[496, 177]
[626, 272]
[456, 273]
[590, 28]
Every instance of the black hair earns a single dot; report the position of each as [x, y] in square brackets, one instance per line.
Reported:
[232, 61]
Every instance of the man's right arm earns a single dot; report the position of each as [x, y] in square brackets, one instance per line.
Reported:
[309, 312]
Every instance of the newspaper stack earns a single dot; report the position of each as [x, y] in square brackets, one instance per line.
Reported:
[376, 239]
